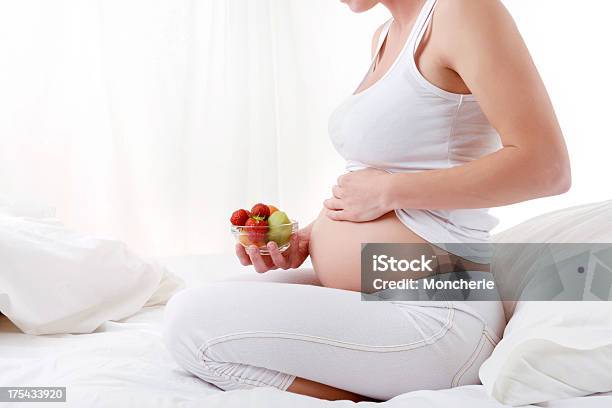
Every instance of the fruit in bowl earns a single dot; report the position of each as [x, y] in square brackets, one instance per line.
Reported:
[264, 223]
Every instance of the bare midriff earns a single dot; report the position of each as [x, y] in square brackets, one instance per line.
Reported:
[335, 247]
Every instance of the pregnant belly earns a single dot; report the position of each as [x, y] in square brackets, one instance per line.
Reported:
[335, 247]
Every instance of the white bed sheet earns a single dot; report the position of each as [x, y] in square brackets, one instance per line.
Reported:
[124, 364]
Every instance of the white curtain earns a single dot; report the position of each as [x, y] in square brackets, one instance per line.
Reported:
[151, 120]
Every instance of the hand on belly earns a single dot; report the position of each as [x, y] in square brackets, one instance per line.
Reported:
[335, 247]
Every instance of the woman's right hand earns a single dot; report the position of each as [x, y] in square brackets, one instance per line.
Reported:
[292, 258]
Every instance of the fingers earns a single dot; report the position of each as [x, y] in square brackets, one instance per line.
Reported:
[337, 191]
[287, 260]
[294, 252]
[278, 258]
[333, 204]
[260, 263]
[339, 215]
[242, 255]
[339, 181]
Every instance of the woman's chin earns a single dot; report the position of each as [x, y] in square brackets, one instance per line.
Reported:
[359, 6]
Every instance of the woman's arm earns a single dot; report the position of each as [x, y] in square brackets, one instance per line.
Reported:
[483, 45]
[487, 51]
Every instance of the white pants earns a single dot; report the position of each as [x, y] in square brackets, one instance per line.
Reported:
[240, 334]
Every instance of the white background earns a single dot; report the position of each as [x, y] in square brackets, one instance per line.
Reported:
[151, 120]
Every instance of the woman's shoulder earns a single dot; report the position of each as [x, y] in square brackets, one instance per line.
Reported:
[461, 25]
[479, 12]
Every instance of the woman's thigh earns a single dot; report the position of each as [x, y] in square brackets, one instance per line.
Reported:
[302, 276]
[331, 336]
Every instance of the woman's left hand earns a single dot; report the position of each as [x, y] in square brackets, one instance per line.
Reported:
[360, 196]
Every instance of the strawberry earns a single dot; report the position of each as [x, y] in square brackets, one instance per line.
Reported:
[260, 211]
[239, 217]
[254, 222]
[257, 231]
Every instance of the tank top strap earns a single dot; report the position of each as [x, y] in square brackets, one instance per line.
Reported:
[384, 32]
[422, 23]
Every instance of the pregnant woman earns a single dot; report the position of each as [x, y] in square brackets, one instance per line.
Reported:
[451, 118]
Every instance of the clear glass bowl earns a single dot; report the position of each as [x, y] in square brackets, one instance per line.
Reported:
[260, 236]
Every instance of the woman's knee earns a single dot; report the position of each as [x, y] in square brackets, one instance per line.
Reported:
[194, 327]
[184, 329]
[195, 316]
[188, 320]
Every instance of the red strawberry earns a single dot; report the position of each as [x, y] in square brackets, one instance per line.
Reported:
[257, 231]
[254, 222]
[239, 217]
[261, 211]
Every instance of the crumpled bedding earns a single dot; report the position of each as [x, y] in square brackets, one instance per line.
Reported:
[125, 364]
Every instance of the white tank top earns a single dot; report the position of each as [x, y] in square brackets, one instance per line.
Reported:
[404, 123]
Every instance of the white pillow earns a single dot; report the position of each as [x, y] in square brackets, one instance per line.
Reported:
[53, 280]
[585, 224]
[552, 350]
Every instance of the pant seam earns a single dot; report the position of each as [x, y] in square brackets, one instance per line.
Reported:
[203, 356]
[493, 338]
[330, 342]
[471, 360]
